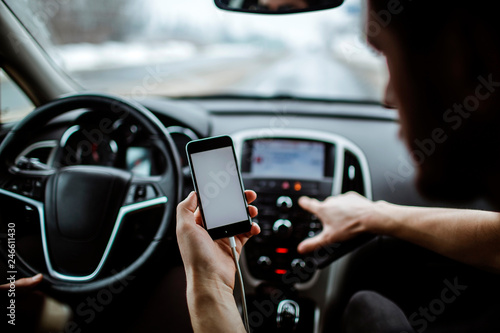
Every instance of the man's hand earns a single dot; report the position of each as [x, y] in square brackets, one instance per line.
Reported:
[343, 217]
[35, 311]
[206, 261]
[24, 283]
[210, 269]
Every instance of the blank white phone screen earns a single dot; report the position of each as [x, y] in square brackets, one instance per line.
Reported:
[219, 187]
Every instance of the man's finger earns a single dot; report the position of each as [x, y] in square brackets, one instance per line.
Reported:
[250, 195]
[197, 217]
[253, 211]
[189, 204]
[255, 230]
[310, 204]
[310, 244]
[25, 282]
[186, 209]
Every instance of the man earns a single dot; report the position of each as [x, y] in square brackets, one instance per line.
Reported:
[443, 62]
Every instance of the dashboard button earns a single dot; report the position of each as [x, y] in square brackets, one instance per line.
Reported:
[297, 186]
[284, 202]
[264, 262]
[298, 264]
[311, 234]
[140, 192]
[282, 228]
[315, 225]
[282, 250]
[37, 189]
[14, 187]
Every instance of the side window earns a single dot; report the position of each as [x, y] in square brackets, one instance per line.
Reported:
[14, 104]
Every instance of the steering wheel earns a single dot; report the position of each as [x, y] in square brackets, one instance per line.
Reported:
[81, 208]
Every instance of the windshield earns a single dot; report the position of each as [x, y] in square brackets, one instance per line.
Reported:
[173, 48]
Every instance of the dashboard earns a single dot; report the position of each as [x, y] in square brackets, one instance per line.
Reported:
[114, 142]
[314, 149]
[286, 149]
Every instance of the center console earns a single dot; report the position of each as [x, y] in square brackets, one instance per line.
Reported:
[281, 166]
[281, 170]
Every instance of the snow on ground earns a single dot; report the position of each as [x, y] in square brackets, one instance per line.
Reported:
[81, 57]
[110, 55]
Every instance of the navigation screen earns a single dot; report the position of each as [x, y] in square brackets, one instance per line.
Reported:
[288, 159]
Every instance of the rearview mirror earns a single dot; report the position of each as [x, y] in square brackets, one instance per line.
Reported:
[276, 6]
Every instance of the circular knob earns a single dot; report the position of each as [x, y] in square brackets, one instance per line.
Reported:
[264, 261]
[282, 227]
[284, 202]
[298, 263]
[288, 315]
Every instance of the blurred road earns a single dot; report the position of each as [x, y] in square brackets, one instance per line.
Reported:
[309, 74]
[314, 74]
[306, 74]
[200, 76]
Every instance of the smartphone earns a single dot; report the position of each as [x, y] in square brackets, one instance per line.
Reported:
[217, 181]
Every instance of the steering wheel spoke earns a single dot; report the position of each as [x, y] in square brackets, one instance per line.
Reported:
[142, 190]
[27, 183]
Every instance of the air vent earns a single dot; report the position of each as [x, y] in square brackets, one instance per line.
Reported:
[352, 179]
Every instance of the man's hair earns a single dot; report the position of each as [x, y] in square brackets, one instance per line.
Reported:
[419, 22]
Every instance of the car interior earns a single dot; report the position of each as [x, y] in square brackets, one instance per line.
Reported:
[98, 101]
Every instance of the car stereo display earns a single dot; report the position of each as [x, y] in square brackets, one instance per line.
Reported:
[283, 158]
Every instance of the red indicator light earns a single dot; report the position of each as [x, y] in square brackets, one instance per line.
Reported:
[281, 250]
[285, 185]
[280, 271]
[298, 186]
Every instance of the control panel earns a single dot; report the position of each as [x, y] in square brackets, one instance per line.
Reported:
[272, 255]
[281, 167]
[281, 170]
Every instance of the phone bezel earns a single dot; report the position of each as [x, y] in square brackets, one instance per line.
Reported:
[202, 145]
